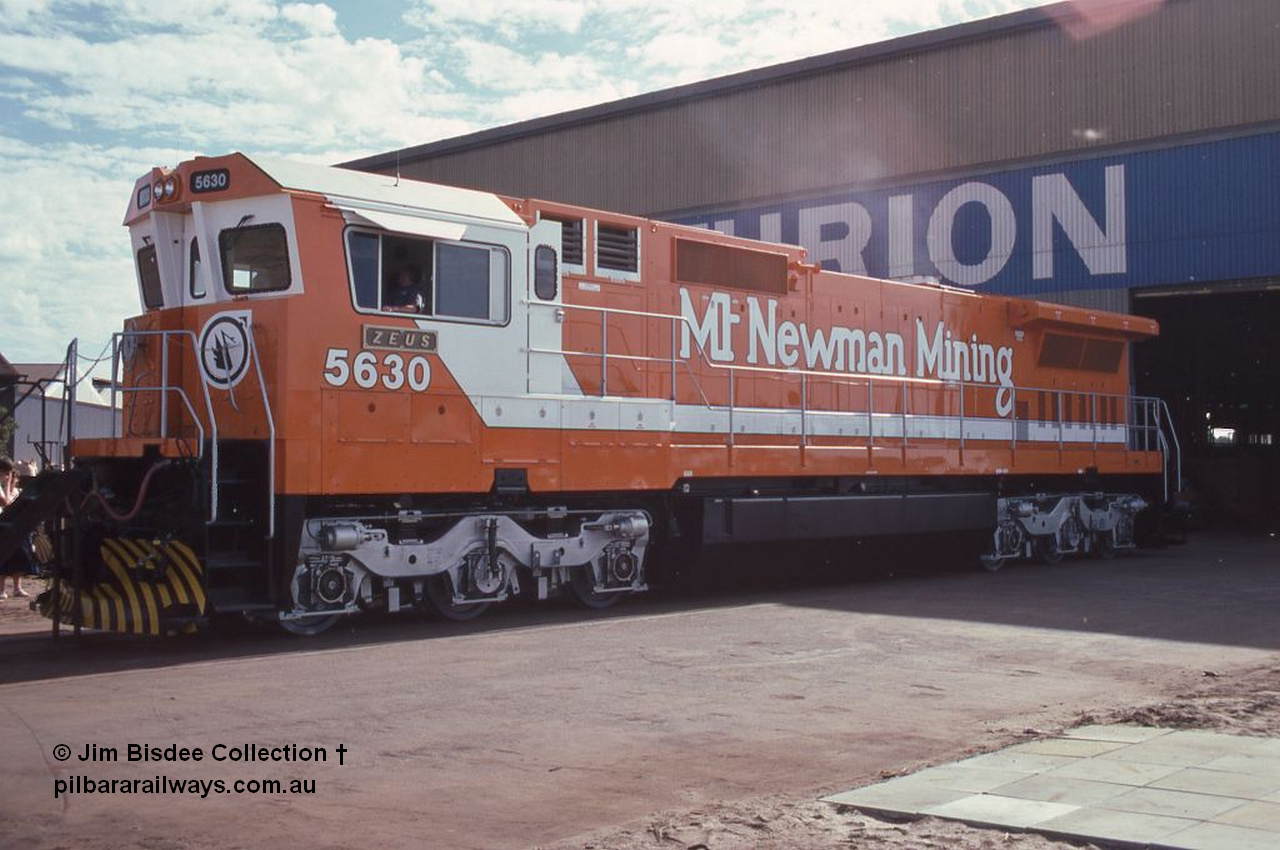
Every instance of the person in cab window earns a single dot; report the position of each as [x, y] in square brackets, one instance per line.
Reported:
[405, 293]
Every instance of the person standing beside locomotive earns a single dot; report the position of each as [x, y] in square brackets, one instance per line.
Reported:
[17, 564]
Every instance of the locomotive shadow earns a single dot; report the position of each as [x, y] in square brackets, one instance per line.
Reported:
[1215, 590]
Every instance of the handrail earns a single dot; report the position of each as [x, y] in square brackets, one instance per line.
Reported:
[271, 442]
[69, 407]
[189, 336]
[1177, 446]
[186, 401]
[164, 389]
[782, 370]
[1132, 403]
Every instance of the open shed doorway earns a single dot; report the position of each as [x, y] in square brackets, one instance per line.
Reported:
[1217, 364]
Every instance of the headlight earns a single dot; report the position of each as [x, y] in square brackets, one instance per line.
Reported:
[170, 188]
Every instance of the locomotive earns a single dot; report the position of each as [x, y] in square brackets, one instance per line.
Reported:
[351, 391]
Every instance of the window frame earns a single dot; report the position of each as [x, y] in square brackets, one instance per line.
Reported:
[555, 273]
[459, 320]
[228, 271]
[194, 260]
[142, 277]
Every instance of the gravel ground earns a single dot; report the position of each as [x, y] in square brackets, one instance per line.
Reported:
[682, 723]
[15, 612]
[1242, 704]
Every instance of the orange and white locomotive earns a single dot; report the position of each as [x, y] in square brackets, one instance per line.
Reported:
[351, 391]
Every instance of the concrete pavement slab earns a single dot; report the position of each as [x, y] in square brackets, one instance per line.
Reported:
[995, 810]
[1253, 765]
[1018, 762]
[1105, 824]
[1253, 815]
[1119, 734]
[971, 779]
[1172, 789]
[1059, 789]
[1243, 744]
[1074, 747]
[1174, 804]
[1135, 774]
[1166, 751]
[1220, 782]
[1218, 836]
[897, 796]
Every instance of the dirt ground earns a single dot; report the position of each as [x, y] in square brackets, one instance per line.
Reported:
[689, 720]
[16, 613]
[1241, 704]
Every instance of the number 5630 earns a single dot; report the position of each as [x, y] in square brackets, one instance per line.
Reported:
[368, 371]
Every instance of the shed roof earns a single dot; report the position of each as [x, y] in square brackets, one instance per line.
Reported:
[864, 54]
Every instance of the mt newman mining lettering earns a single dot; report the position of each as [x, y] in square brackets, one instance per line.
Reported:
[939, 354]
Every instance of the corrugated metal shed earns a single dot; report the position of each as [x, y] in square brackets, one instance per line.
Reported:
[1018, 88]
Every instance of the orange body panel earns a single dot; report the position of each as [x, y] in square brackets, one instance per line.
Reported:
[615, 433]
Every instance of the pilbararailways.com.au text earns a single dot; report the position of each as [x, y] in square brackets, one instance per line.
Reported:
[173, 753]
[166, 785]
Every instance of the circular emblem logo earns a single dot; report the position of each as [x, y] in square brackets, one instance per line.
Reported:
[224, 349]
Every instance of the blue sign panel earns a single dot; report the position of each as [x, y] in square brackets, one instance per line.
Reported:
[1198, 213]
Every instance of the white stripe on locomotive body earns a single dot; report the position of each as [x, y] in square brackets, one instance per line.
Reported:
[593, 413]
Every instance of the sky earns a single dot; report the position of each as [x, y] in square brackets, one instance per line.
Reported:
[93, 93]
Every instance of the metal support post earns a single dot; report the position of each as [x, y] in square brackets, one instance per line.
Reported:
[604, 354]
[732, 373]
[164, 385]
[673, 361]
[1060, 423]
[804, 406]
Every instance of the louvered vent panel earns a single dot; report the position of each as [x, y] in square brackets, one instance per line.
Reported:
[570, 239]
[617, 248]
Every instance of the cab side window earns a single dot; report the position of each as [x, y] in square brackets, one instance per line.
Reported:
[255, 258]
[428, 277]
[193, 270]
[149, 275]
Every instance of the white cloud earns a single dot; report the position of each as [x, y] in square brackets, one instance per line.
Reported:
[507, 16]
[222, 85]
[95, 92]
[611, 46]
[17, 11]
[67, 266]
[314, 18]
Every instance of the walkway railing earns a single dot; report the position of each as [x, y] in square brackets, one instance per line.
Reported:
[166, 390]
[1146, 419]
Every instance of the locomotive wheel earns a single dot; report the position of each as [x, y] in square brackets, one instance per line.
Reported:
[992, 564]
[1047, 550]
[580, 586]
[1103, 547]
[439, 594]
[309, 626]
